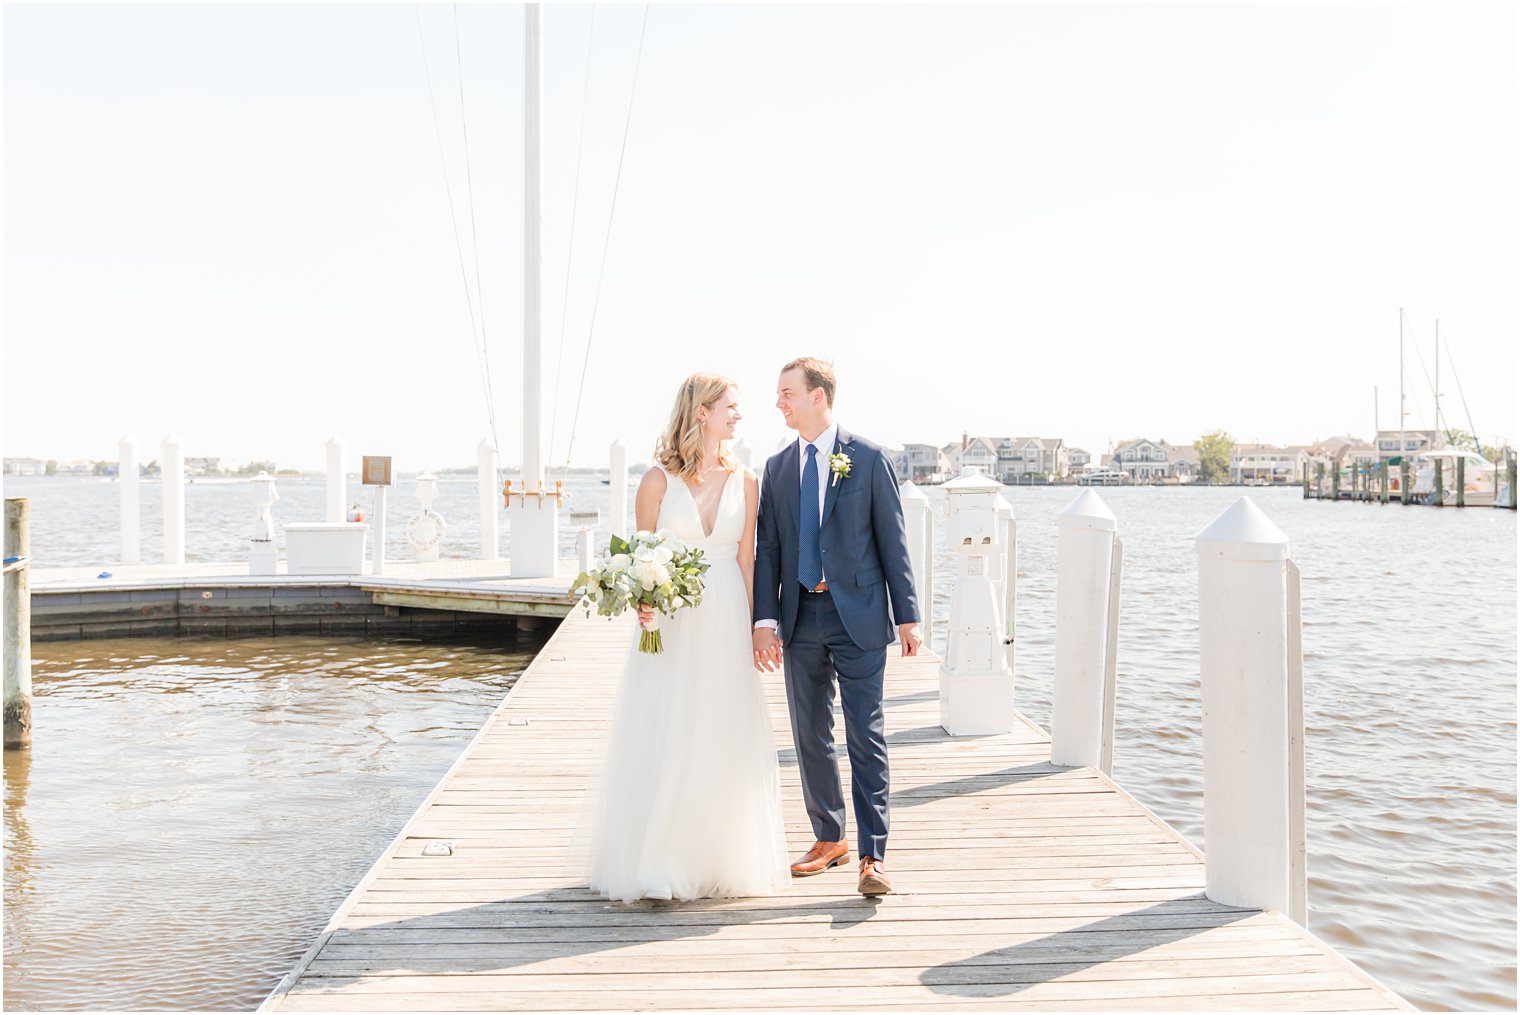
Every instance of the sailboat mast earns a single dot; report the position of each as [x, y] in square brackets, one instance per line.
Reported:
[1438, 383]
[532, 409]
[1401, 381]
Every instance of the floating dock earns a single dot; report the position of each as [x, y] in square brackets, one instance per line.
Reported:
[1019, 885]
[163, 600]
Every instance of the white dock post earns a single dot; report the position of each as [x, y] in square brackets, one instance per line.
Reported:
[131, 500]
[337, 482]
[1243, 620]
[1084, 576]
[916, 512]
[618, 524]
[18, 625]
[171, 472]
[585, 552]
[1008, 584]
[485, 476]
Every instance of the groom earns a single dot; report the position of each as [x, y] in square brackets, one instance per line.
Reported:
[829, 550]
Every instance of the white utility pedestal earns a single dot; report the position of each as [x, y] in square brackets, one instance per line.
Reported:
[325, 547]
[975, 680]
[263, 558]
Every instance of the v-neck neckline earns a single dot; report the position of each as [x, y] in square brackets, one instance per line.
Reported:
[706, 534]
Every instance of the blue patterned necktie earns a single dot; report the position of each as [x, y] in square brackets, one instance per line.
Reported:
[810, 562]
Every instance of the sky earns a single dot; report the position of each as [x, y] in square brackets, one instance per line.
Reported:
[233, 223]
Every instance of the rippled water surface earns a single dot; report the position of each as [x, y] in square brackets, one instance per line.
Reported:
[1410, 698]
[192, 811]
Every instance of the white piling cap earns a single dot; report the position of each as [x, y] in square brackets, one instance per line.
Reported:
[618, 443]
[172, 439]
[333, 442]
[128, 439]
[1088, 512]
[1243, 532]
[910, 492]
[485, 445]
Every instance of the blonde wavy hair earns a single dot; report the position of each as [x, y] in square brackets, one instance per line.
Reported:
[679, 448]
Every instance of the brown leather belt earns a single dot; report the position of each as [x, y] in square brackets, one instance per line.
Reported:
[822, 587]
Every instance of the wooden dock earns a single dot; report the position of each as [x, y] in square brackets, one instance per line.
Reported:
[1020, 885]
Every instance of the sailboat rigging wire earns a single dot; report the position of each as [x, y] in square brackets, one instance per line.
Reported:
[480, 295]
[448, 190]
[607, 240]
[1421, 360]
[575, 200]
[1470, 428]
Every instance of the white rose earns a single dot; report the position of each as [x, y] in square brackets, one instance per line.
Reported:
[620, 562]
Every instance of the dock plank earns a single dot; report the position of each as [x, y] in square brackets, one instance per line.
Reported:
[1020, 884]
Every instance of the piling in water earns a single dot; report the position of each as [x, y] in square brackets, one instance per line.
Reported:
[18, 626]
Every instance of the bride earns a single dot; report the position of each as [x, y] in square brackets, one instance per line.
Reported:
[689, 804]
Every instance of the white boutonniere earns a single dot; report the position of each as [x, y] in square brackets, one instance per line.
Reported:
[839, 465]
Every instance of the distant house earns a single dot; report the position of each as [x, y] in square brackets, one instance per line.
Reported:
[1142, 460]
[201, 466]
[1414, 441]
[1078, 461]
[1182, 462]
[1269, 463]
[923, 463]
[77, 467]
[25, 467]
[978, 452]
[1020, 457]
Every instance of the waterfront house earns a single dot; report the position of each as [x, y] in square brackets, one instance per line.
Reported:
[1021, 458]
[1078, 461]
[1414, 441]
[1142, 460]
[25, 467]
[978, 452]
[1268, 463]
[923, 463]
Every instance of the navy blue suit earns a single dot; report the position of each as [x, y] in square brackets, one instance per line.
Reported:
[840, 634]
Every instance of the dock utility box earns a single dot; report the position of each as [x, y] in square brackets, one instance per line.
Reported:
[325, 547]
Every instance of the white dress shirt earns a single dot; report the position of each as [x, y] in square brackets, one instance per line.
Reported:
[825, 446]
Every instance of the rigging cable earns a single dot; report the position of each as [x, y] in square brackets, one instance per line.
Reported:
[1421, 360]
[1470, 428]
[607, 240]
[454, 221]
[580, 148]
[480, 296]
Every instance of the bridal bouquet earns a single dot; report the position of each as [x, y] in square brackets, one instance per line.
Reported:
[653, 569]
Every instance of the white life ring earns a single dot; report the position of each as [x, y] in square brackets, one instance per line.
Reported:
[425, 529]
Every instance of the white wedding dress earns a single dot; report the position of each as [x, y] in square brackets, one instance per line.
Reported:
[689, 800]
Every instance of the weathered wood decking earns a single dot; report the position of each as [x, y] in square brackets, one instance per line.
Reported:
[1020, 885]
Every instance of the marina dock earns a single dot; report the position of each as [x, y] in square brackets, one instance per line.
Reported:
[1020, 884]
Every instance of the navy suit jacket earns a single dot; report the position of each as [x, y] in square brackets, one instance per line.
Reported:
[862, 539]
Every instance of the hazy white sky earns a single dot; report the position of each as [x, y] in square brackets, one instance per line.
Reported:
[1085, 221]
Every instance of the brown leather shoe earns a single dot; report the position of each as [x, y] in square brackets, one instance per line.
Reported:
[821, 857]
[873, 880]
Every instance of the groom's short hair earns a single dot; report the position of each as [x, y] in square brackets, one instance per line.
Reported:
[818, 373]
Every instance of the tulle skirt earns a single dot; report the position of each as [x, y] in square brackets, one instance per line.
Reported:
[688, 803]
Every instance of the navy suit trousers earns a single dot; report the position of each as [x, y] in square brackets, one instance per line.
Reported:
[821, 652]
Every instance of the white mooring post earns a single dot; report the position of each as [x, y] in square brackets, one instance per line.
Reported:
[618, 524]
[131, 500]
[976, 684]
[18, 625]
[1251, 660]
[920, 552]
[337, 482]
[171, 470]
[485, 477]
[1008, 575]
[1080, 715]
